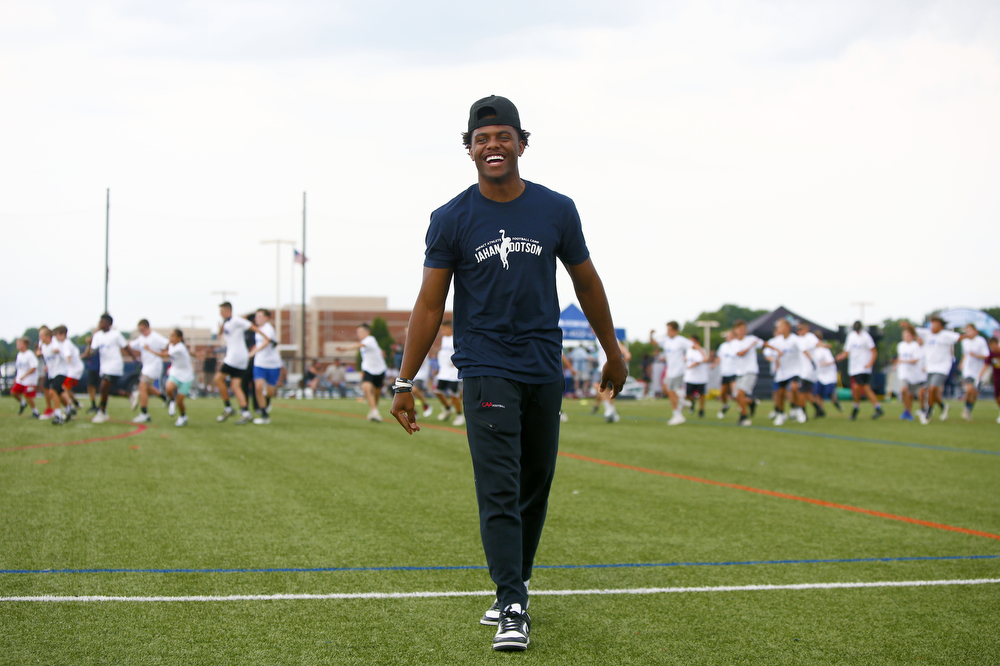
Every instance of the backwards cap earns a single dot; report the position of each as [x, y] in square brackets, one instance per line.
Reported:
[502, 109]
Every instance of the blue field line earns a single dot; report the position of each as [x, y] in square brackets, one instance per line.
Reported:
[824, 435]
[640, 565]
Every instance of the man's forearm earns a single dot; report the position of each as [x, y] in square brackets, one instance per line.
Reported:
[594, 303]
[424, 325]
[425, 320]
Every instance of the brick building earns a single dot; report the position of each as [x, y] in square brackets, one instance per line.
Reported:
[331, 322]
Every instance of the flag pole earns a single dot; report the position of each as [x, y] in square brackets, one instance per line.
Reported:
[304, 285]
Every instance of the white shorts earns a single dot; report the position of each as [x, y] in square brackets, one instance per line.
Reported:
[746, 383]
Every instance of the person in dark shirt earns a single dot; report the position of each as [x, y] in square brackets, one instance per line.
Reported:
[993, 363]
[93, 366]
[500, 240]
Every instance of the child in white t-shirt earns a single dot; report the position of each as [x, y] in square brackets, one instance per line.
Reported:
[696, 374]
[25, 377]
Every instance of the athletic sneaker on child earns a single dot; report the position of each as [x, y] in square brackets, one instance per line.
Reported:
[171, 408]
[245, 418]
[262, 419]
[181, 421]
[446, 414]
[513, 627]
[142, 417]
[374, 416]
[226, 413]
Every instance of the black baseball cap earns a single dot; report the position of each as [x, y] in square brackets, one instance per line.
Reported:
[502, 109]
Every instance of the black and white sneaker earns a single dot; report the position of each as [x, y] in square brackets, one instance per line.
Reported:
[21, 408]
[512, 630]
[492, 616]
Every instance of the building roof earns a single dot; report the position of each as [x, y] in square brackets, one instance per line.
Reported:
[763, 326]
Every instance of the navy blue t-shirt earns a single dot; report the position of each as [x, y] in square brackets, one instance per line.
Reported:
[504, 259]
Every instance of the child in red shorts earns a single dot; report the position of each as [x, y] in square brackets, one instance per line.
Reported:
[26, 377]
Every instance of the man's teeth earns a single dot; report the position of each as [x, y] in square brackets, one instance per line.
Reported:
[494, 158]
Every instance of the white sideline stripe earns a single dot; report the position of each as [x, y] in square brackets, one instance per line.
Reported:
[552, 593]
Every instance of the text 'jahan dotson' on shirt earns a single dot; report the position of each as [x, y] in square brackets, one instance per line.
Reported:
[507, 245]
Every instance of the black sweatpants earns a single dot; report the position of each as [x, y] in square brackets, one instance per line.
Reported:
[513, 431]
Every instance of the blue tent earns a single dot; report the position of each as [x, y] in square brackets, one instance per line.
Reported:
[575, 326]
[962, 316]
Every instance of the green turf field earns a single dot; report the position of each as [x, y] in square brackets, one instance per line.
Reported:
[305, 505]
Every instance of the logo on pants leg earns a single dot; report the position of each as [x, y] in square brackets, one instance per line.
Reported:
[494, 405]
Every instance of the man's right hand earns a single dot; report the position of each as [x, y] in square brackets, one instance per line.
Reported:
[614, 375]
[404, 412]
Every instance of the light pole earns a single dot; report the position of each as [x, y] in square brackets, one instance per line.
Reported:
[107, 244]
[224, 294]
[708, 326]
[192, 318]
[277, 282]
[862, 304]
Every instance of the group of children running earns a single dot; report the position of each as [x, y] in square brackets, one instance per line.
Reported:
[63, 367]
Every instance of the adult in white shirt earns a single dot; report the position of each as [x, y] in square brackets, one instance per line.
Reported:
[266, 365]
[55, 369]
[675, 347]
[696, 362]
[373, 369]
[825, 387]
[150, 345]
[25, 377]
[658, 367]
[108, 345]
[235, 363]
[786, 372]
[975, 351]
[909, 358]
[747, 369]
[725, 359]
[938, 343]
[860, 352]
[74, 368]
[180, 376]
[447, 386]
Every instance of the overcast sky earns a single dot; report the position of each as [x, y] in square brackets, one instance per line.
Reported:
[806, 154]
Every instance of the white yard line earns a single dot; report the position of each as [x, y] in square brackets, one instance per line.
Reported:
[486, 593]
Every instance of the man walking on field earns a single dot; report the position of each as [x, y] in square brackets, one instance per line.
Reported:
[507, 344]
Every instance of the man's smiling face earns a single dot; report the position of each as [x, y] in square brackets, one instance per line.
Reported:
[495, 149]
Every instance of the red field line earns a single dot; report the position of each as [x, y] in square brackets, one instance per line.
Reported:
[138, 430]
[734, 486]
[772, 493]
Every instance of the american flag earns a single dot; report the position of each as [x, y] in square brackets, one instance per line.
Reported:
[300, 258]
